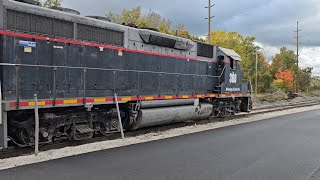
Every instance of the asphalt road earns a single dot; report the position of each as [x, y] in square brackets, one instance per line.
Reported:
[281, 148]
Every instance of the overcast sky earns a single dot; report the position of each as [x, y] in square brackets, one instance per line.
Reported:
[272, 22]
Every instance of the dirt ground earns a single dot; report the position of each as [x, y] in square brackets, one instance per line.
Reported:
[279, 98]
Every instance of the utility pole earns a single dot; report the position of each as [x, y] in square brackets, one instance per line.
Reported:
[209, 20]
[297, 75]
[256, 81]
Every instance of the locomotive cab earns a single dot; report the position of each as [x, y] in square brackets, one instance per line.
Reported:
[229, 65]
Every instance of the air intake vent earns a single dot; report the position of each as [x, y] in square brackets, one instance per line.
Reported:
[30, 2]
[100, 18]
[67, 10]
[205, 50]
[100, 35]
[31, 23]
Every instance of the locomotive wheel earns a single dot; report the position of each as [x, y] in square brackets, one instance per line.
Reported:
[26, 136]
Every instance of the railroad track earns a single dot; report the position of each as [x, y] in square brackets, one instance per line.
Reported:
[14, 151]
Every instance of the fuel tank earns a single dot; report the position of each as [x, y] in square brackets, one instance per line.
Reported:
[168, 115]
[166, 103]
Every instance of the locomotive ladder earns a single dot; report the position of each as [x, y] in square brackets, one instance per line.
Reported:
[119, 115]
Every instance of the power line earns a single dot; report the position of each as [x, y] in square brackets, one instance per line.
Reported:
[209, 20]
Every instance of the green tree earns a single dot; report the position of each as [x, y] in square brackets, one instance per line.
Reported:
[244, 46]
[149, 20]
[128, 17]
[284, 60]
[305, 78]
[52, 3]
[131, 17]
[115, 18]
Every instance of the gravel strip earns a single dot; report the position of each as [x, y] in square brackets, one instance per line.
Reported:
[93, 147]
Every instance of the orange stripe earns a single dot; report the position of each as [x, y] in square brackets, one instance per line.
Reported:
[70, 101]
[148, 98]
[99, 100]
[126, 99]
[40, 103]
[168, 97]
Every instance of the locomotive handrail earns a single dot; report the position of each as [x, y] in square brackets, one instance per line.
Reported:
[224, 68]
[0, 104]
[102, 69]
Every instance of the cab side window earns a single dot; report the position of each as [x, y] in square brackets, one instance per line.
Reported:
[220, 62]
[233, 64]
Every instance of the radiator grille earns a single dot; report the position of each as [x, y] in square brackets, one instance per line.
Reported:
[96, 34]
[32, 23]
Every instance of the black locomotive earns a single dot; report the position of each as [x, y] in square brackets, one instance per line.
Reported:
[75, 65]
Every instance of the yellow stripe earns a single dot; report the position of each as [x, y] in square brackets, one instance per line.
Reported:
[126, 99]
[40, 103]
[199, 96]
[99, 100]
[224, 95]
[185, 97]
[149, 98]
[70, 101]
[233, 95]
[168, 97]
[212, 95]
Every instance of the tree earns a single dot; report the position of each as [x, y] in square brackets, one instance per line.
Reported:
[115, 18]
[284, 80]
[305, 78]
[244, 46]
[149, 20]
[182, 31]
[284, 60]
[52, 3]
[131, 17]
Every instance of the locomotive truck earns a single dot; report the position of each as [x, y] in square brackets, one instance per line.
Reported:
[76, 65]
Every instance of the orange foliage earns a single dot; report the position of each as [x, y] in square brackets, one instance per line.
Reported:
[286, 76]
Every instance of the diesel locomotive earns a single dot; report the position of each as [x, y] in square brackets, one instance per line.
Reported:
[77, 65]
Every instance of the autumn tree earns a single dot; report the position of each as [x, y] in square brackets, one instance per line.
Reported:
[284, 60]
[284, 80]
